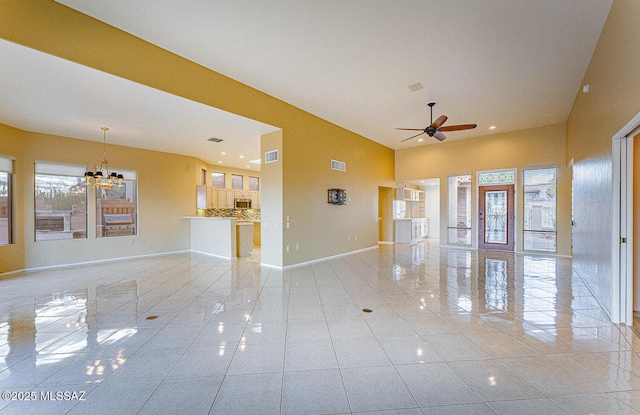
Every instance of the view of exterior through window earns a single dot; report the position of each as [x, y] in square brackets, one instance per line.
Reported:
[217, 180]
[540, 209]
[61, 207]
[116, 210]
[459, 212]
[5, 208]
[254, 183]
[237, 181]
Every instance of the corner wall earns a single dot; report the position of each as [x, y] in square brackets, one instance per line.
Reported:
[613, 99]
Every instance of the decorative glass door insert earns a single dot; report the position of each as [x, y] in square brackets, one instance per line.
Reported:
[495, 217]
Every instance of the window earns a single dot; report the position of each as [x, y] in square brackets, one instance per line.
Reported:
[116, 210]
[540, 209]
[217, 180]
[6, 170]
[459, 214]
[237, 181]
[61, 201]
[254, 183]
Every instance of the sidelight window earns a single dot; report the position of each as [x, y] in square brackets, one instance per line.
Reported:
[540, 191]
[459, 212]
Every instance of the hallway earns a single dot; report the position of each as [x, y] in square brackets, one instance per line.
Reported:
[450, 331]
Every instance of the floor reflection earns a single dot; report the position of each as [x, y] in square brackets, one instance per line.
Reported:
[447, 327]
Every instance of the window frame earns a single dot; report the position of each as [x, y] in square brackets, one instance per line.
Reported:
[130, 176]
[554, 219]
[457, 228]
[213, 181]
[6, 167]
[67, 170]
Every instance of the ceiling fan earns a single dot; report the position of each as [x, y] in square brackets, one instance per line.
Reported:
[435, 129]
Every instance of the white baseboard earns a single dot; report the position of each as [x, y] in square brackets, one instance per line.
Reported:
[99, 261]
[314, 261]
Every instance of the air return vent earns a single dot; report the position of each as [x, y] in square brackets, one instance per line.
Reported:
[215, 139]
[338, 165]
[271, 156]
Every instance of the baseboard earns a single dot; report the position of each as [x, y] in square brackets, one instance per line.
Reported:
[213, 255]
[79, 264]
[303, 264]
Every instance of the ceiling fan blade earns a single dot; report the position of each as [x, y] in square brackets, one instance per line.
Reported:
[439, 121]
[458, 127]
[411, 129]
[414, 136]
[439, 136]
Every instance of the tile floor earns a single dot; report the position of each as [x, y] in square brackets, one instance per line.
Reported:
[451, 332]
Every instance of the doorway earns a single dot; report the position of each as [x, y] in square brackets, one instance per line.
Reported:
[624, 282]
[496, 217]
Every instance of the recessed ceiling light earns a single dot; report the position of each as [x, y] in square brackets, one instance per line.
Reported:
[493, 127]
[223, 153]
[241, 157]
[220, 162]
[421, 139]
[255, 161]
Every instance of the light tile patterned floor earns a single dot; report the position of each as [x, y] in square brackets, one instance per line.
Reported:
[451, 331]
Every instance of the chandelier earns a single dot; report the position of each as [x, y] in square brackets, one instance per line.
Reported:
[98, 180]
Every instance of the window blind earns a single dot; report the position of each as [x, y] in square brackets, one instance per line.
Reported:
[6, 164]
[60, 169]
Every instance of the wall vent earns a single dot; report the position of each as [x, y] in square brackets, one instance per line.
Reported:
[271, 156]
[338, 165]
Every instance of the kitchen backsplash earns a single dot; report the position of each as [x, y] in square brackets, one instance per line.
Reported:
[242, 214]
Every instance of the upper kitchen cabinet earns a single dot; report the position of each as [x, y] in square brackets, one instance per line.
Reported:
[408, 194]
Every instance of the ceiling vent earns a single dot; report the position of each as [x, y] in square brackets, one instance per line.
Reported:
[215, 140]
[338, 165]
[271, 156]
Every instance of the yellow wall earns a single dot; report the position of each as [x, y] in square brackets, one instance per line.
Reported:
[12, 145]
[613, 100]
[537, 147]
[163, 199]
[308, 142]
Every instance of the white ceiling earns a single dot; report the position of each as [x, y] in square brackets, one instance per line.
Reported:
[513, 64]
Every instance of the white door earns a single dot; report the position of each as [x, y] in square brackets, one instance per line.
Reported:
[622, 229]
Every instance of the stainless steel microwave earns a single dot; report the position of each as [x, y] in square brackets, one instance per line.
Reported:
[242, 204]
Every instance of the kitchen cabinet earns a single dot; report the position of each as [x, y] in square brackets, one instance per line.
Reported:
[229, 200]
[212, 197]
[411, 230]
[201, 196]
[208, 197]
[254, 195]
[241, 194]
[408, 194]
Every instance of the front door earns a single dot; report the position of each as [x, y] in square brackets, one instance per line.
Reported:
[496, 217]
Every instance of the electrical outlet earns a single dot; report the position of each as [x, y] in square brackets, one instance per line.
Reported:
[287, 248]
[297, 246]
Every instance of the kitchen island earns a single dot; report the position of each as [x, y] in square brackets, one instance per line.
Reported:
[215, 236]
[411, 230]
